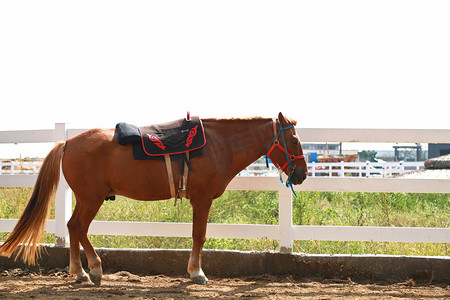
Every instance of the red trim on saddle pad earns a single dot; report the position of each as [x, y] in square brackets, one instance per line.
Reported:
[155, 140]
[192, 134]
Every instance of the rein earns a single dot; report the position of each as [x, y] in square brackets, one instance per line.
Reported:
[289, 157]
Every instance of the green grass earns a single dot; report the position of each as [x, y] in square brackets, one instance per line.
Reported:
[253, 207]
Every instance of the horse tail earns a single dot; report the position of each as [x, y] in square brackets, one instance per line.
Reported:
[31, 225]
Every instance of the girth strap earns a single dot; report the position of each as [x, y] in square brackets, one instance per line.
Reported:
[184, 168]
[170, 175]
[184, 171]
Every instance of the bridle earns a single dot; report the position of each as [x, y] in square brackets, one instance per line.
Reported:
[276, 144]
[289, 157]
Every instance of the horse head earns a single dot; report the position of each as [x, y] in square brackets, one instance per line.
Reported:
[286, 151]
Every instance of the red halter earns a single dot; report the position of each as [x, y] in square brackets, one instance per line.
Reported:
[291, 157]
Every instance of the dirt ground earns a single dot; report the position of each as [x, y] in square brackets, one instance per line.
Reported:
[58, 284]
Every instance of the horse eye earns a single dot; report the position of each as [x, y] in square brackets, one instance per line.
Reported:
[295, 142]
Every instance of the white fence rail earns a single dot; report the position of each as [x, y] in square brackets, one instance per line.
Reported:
[328, 169]
[341, 169]
[285, 231]
[362, 169]
[14, 167]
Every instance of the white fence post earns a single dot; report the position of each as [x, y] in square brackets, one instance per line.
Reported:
[367, 169]
[63, 198]
[285, 219]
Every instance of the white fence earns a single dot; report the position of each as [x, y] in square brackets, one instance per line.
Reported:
[14, 167]
[341, 169]
[285, 231]
[362, 169]
[354, 169]
[328, 169]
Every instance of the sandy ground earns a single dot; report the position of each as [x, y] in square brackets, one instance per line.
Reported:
[57, 284]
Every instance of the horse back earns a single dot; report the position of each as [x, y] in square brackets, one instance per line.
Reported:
[95, 164]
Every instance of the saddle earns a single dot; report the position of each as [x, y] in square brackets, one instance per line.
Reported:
[177, 140]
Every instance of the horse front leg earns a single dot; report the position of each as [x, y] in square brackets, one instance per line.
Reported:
[200, 218]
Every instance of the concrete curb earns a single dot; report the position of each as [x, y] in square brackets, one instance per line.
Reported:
[235, 263]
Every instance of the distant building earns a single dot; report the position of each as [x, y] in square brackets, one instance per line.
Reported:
[398, 155]
[313, 151]
[321, 148]
[435, 150]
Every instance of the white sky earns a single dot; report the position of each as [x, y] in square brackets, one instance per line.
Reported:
[378, 64]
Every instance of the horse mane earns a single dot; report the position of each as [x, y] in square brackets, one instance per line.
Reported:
[234, 119]
[291, 121]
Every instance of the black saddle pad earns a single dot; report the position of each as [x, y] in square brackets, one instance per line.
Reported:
[173, 138]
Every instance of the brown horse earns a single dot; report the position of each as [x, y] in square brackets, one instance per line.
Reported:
[96, 166]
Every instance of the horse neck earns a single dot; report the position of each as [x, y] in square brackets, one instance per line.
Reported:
[245, 140]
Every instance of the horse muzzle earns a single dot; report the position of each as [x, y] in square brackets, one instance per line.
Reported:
[298, 176]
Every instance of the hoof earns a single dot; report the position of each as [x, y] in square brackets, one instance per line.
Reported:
[199, 277]
[200, 280]
[96, 276]
[96, 279]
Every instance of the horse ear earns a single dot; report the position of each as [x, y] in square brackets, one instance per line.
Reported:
[282, 120]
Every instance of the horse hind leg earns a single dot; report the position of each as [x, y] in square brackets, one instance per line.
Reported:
[76, 267]
[84, 213]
